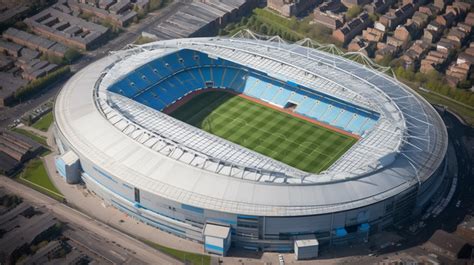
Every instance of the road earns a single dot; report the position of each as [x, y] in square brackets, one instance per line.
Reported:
[66, 214]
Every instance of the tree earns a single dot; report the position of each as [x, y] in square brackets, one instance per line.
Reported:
[353, 12]
[263, 29]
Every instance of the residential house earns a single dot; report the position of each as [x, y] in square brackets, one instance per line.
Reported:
[416, 51]
[457, 73]
[351, 3]
[430, 10]
[352, 28]
[329, 15]
[378, 6]
[457, 35]
[420, 20]
[469, 20]
[289, 8]
[395, 17]
[358, 45]
[446, 45]
[446, 19]
[433, 31]
[402, 33]
[432, 61]
[441, 3]
[386, 50]
[373, 35]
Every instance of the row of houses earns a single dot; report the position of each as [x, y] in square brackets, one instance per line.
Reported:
[67, 29]
[458, 32]
[21, 60]
[352, 28]
[15, 149]
[289, 8]
[118, 12]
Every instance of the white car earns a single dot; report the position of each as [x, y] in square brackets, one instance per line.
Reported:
[280, 258]
[458, 204]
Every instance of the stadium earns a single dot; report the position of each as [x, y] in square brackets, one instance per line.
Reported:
[249, 142]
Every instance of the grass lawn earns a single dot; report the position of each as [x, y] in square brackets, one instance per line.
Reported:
[44, 122]
[31, 135]
[185, 257]
[281, 136]
[35, 173]
[466, 113]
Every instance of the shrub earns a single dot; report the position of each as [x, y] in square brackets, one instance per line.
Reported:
[40, 83]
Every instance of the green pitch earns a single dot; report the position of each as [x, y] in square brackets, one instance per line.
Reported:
[291, 140]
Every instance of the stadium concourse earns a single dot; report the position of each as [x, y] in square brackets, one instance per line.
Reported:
[251, 143]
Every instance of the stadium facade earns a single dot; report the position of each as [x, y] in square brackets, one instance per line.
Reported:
[113, 136]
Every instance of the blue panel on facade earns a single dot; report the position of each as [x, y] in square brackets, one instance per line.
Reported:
[148, 220]
[104, 174]
[365, 227]
[192, 208]
[247, 217]
[340, 232]
[291, 83]
[214, 248]
[61, 167]
[227, 221]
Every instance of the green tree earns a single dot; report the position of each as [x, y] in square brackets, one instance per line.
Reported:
[353, 12]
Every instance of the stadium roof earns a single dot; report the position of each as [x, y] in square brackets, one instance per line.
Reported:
[153, 151]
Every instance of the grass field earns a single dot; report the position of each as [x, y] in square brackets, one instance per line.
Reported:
[44, 122]
[185, 257]
[281, 136]
[36, 176]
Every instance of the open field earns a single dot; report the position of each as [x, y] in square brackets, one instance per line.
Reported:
[44, 122]
[466, 113]
[279, 135]
[185, 257]
[35, 176]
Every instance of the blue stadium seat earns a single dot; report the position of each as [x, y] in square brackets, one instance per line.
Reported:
[343, 119]
[217, 73]
[331, 114]
[138, 81]
[257, 89]
[206, 73]
[367, 126]
[171, 61]
[305, 107]
[296, 97]
[123, 87]
[188, 58]
[151, 101]
[203, 59]
[160, 68]
[197, 76]
[239, 81]
[282, 97]
[250, 83]
[269, 92]
[356, 123]
[319, 110]
[150, 75]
